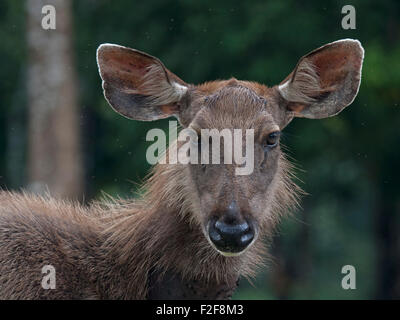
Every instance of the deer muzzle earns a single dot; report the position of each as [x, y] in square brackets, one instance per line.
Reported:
[230, 237]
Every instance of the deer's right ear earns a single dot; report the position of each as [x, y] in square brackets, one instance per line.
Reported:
[138, 85]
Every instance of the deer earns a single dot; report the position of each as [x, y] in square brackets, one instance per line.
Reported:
[197, 228]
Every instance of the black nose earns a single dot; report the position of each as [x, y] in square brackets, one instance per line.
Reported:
[230, 235]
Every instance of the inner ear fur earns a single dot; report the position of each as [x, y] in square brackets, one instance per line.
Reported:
[324, 81]
[138, 85]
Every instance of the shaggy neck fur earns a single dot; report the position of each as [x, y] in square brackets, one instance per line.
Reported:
[155, 249]
[152, 248]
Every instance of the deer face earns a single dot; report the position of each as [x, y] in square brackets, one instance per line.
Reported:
[233, 208]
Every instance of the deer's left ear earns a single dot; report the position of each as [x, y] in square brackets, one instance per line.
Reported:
[324, 81]
[138, 85]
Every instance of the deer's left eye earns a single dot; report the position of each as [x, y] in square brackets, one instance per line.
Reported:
[271, 140]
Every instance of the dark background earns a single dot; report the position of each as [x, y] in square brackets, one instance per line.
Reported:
[348, 164]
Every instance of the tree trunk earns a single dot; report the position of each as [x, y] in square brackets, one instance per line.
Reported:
[54, 158]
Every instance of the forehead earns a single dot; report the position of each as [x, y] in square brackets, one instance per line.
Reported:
[235, 106]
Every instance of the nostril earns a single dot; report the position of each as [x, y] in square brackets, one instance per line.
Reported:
[247, 238]
[214, 235]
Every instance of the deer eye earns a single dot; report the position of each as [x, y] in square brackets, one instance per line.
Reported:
[271, 140]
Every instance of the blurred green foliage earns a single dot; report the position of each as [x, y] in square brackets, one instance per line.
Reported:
[348, 163]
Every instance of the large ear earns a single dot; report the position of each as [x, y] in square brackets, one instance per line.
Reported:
[325, 81]
[138, 85]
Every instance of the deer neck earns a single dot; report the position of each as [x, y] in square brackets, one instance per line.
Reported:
[162, 255]
[157, 244]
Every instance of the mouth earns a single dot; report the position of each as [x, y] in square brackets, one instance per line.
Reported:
[230, 240]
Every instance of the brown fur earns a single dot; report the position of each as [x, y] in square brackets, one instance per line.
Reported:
[107, 250]
[156, 246]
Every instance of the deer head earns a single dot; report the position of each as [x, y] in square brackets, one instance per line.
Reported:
[233, 210]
